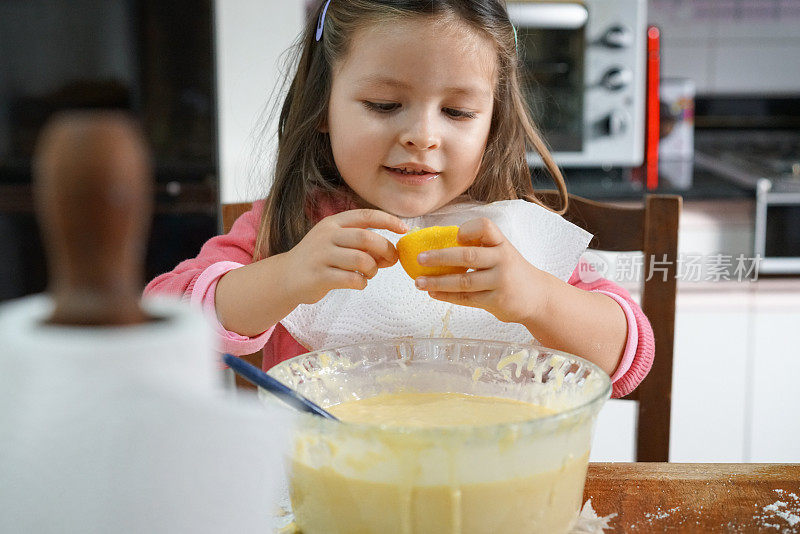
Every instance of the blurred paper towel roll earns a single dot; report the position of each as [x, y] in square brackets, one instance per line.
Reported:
[128, 429]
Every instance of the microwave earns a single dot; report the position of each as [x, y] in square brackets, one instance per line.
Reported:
[583, 71]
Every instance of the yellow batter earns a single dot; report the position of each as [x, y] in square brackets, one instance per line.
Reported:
[401, 488]
[436, 409]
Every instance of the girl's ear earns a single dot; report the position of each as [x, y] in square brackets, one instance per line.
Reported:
[323, 124]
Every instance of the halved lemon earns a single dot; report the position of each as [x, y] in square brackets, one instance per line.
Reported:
[434, 237]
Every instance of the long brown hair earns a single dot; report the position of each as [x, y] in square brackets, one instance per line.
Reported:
[305, 169]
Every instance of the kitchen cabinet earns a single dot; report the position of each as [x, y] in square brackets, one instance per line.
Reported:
[712, 337]
[774, 415]
[614, 433]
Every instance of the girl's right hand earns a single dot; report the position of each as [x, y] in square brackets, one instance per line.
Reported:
[339, 252]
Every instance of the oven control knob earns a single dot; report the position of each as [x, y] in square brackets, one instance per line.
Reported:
[618, 37]
[615, 123]
[617, 78]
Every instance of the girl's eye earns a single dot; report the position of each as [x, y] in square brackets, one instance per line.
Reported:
[381, 107]
[388, 107]
[460, 114]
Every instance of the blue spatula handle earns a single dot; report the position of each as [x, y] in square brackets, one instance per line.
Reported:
[261, 379]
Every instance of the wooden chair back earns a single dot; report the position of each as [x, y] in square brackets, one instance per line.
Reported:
[651, 228]
[231, 212]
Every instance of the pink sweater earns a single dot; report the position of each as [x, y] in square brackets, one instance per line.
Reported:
[196, 280]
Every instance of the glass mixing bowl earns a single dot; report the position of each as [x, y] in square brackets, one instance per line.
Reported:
[513, 478]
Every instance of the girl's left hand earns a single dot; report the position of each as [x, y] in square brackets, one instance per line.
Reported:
[502, 282]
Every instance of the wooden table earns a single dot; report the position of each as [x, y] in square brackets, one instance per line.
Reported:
[658, 497]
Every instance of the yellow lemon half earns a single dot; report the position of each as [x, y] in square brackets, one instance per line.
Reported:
[433, 237]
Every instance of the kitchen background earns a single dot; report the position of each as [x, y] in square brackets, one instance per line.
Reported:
[201, 74]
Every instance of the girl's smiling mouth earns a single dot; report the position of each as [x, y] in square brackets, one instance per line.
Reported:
[412, 174]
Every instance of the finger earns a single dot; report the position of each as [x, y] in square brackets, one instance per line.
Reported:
[480, 232]
[480, 299]
[471, 282]
[341, 279]
[470, 257]
[367, 218]
[350, 259]
[377, 246]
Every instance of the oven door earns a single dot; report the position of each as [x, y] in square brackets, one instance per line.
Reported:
[583, 78]
[777, 231]
[551, 39]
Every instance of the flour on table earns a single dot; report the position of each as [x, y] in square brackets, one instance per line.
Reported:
[589, 523]
[783, 515]
[651, 520]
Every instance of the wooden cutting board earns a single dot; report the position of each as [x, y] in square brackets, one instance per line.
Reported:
[658, 497]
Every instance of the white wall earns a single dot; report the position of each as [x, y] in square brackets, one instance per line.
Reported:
[251, 36]
[746, 46]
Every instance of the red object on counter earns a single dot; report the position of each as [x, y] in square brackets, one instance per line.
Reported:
[652, 124]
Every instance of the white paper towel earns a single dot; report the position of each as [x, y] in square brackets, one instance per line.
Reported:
[391, 306]
[127, 429]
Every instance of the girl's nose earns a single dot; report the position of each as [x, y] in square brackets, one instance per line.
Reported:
[421, 133]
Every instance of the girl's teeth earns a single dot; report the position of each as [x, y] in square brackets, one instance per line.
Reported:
[402, 171]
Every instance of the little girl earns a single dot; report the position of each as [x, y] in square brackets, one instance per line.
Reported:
[404, 109]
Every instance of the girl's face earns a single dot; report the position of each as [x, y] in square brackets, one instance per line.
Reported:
[413, 96]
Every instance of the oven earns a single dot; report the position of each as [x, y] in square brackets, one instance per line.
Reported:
[584, 77]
